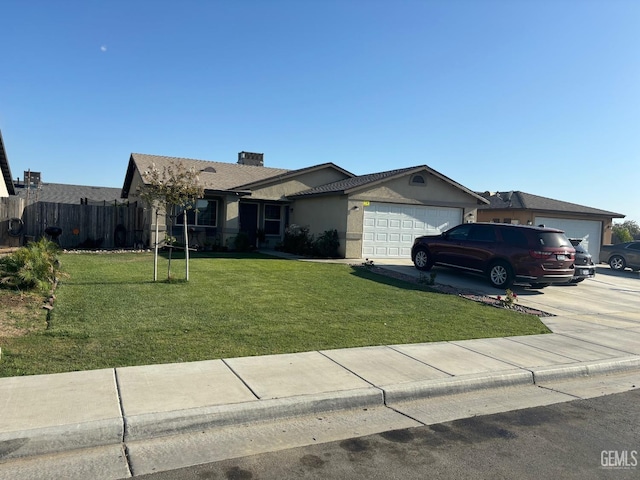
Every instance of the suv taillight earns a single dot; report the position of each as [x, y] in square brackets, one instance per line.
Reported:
[540, 254]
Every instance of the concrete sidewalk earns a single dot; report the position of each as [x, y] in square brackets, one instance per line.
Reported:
[123, 408]
[51, 413]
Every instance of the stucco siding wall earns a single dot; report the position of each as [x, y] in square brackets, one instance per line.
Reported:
[434, 192]
[321, 214]
[278, 191]
[3, 190]
[149, 216]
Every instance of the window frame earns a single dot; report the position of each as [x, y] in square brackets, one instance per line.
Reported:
[194, 213]
[265, 219]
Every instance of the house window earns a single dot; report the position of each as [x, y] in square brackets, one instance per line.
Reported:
[417, 180]
[204, 213]
[272, 219]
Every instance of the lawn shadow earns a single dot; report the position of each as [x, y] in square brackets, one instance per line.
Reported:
[117, 282]
[390, 279]
[179, 255]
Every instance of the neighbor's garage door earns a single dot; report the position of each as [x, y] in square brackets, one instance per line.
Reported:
[389, 229]
[588, 230]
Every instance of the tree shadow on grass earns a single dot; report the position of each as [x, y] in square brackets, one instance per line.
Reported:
[386, 278]
[116, 282]
[179, 255]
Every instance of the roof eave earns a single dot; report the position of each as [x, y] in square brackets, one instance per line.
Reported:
[126, 186]
[6, 170]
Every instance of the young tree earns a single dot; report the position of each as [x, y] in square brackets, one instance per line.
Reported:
[632, 227]
[175, 187]
[621, 234]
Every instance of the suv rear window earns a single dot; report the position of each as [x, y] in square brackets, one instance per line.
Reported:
[553, 239]
[514, 237]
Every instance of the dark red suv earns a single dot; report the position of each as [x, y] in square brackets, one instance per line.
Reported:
[504, 253]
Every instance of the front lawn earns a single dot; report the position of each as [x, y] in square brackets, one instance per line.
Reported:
[109, 313]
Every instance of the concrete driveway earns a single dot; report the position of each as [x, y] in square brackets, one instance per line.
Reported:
[611, 299]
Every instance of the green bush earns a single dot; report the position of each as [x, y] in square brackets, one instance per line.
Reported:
[297, 240]
[241, 242]
[32, 267]
[326, 245]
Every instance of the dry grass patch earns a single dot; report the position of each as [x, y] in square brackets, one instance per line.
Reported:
[20, 314]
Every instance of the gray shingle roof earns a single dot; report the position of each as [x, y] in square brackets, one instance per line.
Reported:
[350, 184]
[213, 175]
[518, 200]
[74, 194]
[342, 186]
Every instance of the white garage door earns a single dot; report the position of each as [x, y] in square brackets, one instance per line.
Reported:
[389, 229]
[588, 230]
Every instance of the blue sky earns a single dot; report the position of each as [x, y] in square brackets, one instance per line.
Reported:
[541, 96]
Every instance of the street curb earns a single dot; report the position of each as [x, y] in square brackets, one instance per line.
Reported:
[61, 438]
[586, 369]
[456, 385]
[33, 442]
[152, 425]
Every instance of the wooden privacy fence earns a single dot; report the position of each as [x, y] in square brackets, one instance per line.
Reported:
[10, 209]
[104, 225]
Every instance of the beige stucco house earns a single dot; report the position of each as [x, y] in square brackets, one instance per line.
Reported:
[376, 215]
[593, 225]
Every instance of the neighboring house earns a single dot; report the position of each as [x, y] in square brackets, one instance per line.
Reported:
[6, 187]
[591, 224]
[32, 189]
[376, 215]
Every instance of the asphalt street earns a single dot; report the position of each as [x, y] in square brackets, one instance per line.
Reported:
[583, 439]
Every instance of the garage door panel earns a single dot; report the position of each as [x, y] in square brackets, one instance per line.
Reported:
[589, 230]
[389, 229]
[407, 238]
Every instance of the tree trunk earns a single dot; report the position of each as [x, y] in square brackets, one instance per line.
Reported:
[186, 244]
[155, 256]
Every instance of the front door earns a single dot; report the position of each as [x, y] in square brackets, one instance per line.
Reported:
[249, 220]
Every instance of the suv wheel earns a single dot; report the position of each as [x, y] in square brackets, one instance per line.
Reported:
[422, 259]
[500, 275]
[617, 263]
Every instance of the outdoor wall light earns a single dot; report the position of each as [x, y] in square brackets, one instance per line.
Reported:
[355, 208]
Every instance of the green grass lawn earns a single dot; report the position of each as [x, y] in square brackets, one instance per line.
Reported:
[110, 313]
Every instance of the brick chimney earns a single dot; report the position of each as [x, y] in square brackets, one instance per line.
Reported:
[249, 158]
